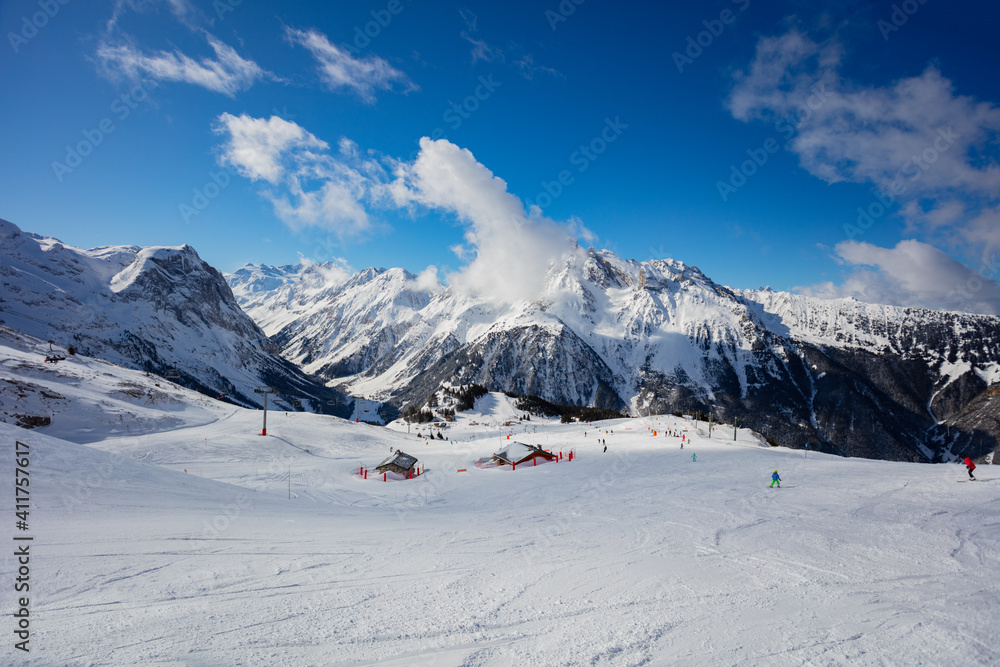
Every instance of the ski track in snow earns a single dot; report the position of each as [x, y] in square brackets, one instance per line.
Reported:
[637, 556]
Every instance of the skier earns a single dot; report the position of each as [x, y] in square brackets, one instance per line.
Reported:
[694, 458]
[775, 479]
[971, 466]
[605, 448]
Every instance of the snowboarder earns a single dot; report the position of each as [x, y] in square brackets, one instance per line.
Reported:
[970, 465]
[605, 448]
[775, 479]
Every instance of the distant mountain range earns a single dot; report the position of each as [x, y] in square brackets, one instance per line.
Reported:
[161, 310]
[659, 336]
[839, 376]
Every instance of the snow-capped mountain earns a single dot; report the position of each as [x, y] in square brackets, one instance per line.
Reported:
[841, 376]
[159, 309]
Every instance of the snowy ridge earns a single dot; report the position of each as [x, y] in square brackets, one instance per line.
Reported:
[152, 259]
[878, 328]
[155, 309]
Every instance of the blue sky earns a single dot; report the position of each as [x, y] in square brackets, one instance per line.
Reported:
[767, 143]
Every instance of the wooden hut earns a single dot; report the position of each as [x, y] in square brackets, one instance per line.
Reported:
[517, 453]
[398, 462]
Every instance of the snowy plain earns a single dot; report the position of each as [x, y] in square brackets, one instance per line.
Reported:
[194, 540]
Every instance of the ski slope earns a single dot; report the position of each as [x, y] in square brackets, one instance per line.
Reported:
[273, 551]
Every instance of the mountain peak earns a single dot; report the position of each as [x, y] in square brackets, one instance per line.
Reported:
[151, 309]
[8, 230]
[182, 260]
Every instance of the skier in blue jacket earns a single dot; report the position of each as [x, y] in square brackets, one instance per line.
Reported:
[775, 479]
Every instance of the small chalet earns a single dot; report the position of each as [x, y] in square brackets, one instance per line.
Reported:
[517, 453]
[398, 462]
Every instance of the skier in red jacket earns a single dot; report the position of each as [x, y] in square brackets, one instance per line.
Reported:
[970, 465]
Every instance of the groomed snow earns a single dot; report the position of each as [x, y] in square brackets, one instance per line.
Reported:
[631, 557]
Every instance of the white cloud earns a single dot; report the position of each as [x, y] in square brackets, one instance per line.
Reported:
[227, 73]
[514, 53]
[182, 10]
[930, 152]
[916, 131]
[527, 67]
[507, 251]
[483, 51]
[578, 230]
[312, 186]
[259, 148]
[913, 274]
[510, 251]
[335, 205]
[480, 49]
[339, 69]
[324, 275]
[427, 280]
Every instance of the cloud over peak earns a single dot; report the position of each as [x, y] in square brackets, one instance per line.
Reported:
[509, 252]
[506, 251]
[912, 274]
